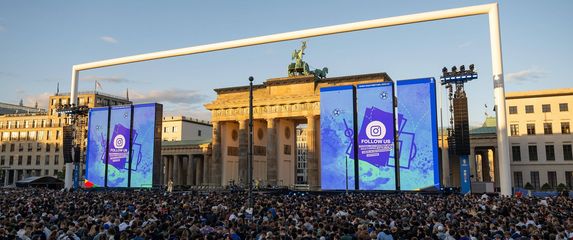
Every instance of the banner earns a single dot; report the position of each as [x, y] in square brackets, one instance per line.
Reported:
[144, 146]
[337, 137]
[119, 144]
[376, 136]
[418, 134]
[96, 147]
[465, 174]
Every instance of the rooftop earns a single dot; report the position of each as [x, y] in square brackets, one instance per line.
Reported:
[7, 108]
[540, 93]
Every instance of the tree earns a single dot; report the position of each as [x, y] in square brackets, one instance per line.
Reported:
[528, 186]
[546, 187]
[561, 187]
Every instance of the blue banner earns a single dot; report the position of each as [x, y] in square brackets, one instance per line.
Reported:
[119, 143]
[376, 132]
[418, 134]
[465, 174]
[337, 137]
[96, 147]
[143, 145]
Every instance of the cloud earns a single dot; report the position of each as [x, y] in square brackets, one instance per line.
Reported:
[465, 44]
[42, 99]
[108, 39]
[174, 96]
[2, 28]
[112, 79]
[176, 102]
[527, 75]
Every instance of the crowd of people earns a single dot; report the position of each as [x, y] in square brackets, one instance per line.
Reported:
[157, 214]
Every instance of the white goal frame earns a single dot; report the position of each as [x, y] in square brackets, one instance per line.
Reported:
[497, 66]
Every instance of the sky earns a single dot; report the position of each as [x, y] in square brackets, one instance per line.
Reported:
[40, 41]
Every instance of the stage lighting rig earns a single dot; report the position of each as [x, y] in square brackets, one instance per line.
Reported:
[458, 76]
[68, 109]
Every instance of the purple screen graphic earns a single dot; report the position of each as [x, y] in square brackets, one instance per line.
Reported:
[119, 147]
[375, 141]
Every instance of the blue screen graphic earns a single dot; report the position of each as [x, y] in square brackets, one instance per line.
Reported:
[118, 153]
[96, 146]
[375, 109]
[336, 137]
[418, 134]
[143, 145]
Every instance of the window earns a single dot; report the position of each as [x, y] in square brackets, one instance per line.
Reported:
[552, 179]
[546, 108]
[56, 159]
[563, 107]
[20, 147]
[531, 129]
[516, 153]
[569, 179]
[517, 179]
[528, 108]
[565, 128]
[37, 159]
[199, 133]
[514, 129]
[11, 160]
[47, 160]
[57, 147]
[38, 147]
[57, 134]
[2, 160]
[567, 154]
[164, 129]
[547, 128]
[12, 147]
[20, 159]
[535, 179]
[173, 129]
[48, 147]
[55, 172]
[46, 172]
[550, 152]
[29, 160]
[532, 153]
[3, 147]
[512, 109]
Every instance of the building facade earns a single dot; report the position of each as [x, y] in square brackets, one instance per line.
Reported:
[540, 137]
[31, 143]
[181, 128]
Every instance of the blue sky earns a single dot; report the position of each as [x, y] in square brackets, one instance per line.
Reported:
[41, 40]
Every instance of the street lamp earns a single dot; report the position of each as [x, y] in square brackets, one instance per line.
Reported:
[250, 157]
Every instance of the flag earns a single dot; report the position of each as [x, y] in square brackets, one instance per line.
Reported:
[98, 85]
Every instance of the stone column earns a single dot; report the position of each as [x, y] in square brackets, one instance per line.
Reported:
[172, 168]
[216, 163]
[243, 151]
[272, 164]
[311, 158]
[163, 174]
[199, 170]
[6, 175]
[190, 170]
[205, 175]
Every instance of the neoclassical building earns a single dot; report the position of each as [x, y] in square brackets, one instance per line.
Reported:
[280, 105]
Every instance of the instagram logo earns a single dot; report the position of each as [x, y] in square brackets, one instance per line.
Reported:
[375, 130]
[119, 141]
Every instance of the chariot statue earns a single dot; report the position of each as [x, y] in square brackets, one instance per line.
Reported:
[301, 68]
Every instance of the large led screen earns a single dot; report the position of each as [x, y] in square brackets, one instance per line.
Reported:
[124, 146]
[143, 149]
[336, 137]
[418, 134]
[375, 115]
[118, 152]
[96, 147]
